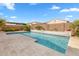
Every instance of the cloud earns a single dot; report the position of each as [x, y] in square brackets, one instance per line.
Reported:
[1, 13]
[9, 6]
[70, 9]
[54, 7]
[13, 17]
[69, 16]
[32, 3]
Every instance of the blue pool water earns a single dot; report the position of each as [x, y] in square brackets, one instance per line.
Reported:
[58, 43]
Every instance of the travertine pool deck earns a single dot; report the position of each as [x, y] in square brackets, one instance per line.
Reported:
[19, 45]
[73, 48]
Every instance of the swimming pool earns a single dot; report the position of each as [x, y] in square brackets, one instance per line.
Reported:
[58, 43]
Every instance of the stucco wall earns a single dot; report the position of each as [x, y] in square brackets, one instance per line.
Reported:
[53, 27]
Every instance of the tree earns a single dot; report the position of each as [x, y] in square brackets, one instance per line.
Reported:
[2, 23]
[75, 27]
[39, 27]
[27, 27]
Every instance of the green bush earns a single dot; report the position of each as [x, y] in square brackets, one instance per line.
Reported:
[9, 29]
[27, 27]
[39, 27]
[77, 33]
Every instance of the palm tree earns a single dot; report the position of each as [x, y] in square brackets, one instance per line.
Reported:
[75, 27]
[2, 23]
[39, 27]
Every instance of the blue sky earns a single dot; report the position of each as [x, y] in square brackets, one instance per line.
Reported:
[38, 12]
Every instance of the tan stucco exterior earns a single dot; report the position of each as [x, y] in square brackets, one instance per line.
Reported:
[55, 25]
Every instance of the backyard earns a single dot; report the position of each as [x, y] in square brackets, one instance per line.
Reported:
[39, 29]
[17, 44]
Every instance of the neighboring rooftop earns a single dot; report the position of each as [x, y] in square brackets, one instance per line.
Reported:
[14, 23]
[57, 21]
[49, 22]
[36, 23]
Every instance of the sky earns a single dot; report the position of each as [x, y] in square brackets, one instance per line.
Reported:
[39, 12]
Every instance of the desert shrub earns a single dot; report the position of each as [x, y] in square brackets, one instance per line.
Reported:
[9, 29]
[27, 27]
[39, 27]
[2, 23]
[77, 33]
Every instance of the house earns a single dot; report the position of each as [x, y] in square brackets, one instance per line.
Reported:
[53, 25]
[18, 26]
[58, 25]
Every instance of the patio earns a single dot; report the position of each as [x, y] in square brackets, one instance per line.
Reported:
[19, 45]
